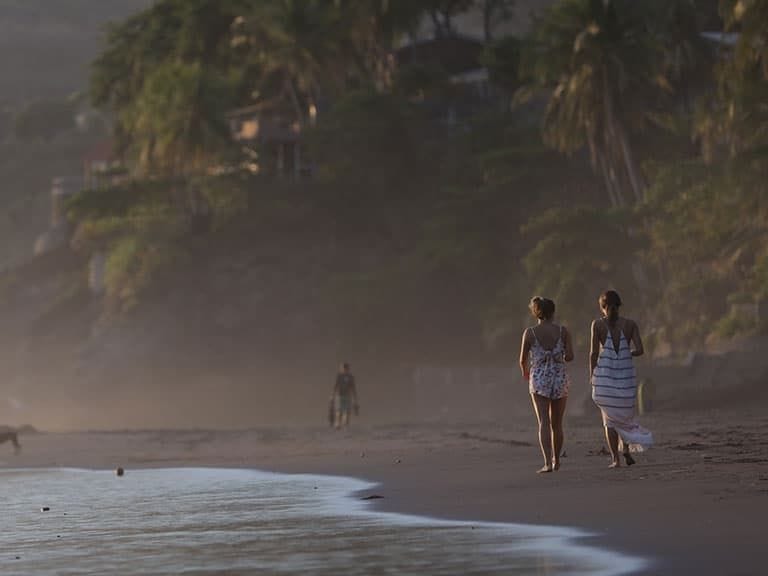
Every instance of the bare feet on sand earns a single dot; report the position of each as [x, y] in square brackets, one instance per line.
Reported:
[544, 470]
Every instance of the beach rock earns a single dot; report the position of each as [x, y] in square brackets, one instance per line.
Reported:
[119, 471]
[398, 461]
[44, 509]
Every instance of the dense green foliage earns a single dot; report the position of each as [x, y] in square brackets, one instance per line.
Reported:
[634, 157]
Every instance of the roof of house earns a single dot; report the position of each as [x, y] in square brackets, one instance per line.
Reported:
[104, 151]
[722, 38]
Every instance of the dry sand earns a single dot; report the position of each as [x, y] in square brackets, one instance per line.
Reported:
[695, 503]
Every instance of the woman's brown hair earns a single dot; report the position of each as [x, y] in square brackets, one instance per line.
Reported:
[611, 300]
[542, 308]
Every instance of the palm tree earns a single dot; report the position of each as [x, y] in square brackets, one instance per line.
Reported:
[164, 76]
[494, 12]
[441, 12]
[178, 120]
[743, 77]
[307, 51]
[288, 44]
[597, 60]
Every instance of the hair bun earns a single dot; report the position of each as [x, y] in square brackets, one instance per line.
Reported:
[542, 308]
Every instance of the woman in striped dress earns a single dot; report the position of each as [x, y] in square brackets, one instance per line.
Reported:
[615, 341]
[545, 349]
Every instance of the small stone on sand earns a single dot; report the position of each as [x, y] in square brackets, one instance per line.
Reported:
[44, 509]
[119, 471]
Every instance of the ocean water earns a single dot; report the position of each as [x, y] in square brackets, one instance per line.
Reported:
[220, 521]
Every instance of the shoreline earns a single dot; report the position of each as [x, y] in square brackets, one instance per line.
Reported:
[327, 500]
[577, 544]
[690, 505]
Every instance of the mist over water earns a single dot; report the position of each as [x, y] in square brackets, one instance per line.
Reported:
[207, 521]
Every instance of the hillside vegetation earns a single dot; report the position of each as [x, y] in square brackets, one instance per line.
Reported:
[618, 148]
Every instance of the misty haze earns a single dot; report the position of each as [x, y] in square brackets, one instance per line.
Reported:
[421, 244]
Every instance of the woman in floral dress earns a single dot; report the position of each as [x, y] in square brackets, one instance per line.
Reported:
[545, 349]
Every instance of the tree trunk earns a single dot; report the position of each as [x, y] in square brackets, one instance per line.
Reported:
[439, 32]
[447, 24]
[638, 188]
[487, 16]
[602, 169]
[294, 98]
[612, 141]
[616, 139]
[618, 190]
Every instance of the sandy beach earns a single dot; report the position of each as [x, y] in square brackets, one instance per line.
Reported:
[691, 504]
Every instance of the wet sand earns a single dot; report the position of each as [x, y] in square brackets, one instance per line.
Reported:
[695, 503]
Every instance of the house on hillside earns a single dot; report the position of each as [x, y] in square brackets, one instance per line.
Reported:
[446, 73]
[473, 22]
[58, 232]
[274, 139]
[450, 61]
[723, 42]
[273, 135]
[102, 166]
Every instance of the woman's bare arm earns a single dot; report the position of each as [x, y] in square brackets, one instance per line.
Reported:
[594, 348]
[568, 345]
[525, 347]
[637, 341]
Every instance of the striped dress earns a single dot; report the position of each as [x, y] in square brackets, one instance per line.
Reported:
[614, 390]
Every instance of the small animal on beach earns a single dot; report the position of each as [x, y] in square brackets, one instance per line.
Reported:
[9, 435]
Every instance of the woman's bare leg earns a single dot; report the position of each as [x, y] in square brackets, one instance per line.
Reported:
[542, 405]
[625, 449]
[557, 411]
[613, 445]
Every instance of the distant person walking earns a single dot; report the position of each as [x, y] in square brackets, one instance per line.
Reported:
[615, 341]
[8, 434]
[344, 397]
[545, 349]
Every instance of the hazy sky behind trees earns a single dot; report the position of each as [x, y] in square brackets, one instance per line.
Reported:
[46, 46]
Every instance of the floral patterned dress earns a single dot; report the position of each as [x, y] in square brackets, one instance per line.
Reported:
[548, 375]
